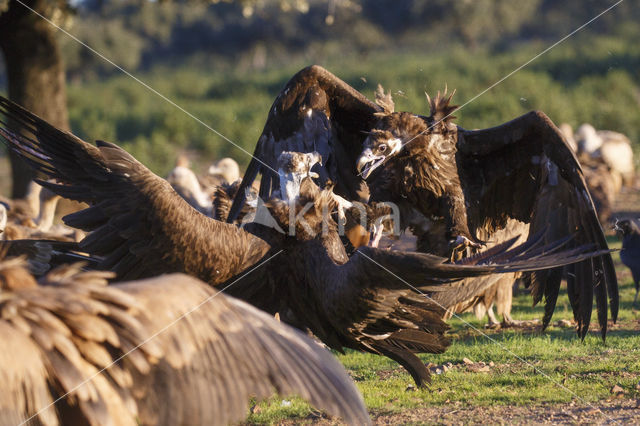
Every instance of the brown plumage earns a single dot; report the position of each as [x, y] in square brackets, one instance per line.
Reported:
[454, 181]
[520, 171]
[222, 200]
[43, 255]
[142, 228]
[128, 353]
[397, 322]
[315, 111]
[602, 186]
[25, 210]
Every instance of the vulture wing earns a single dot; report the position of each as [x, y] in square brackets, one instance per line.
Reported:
[392, 303]
[316, 111]
[525, 170]
[138, 223]
[166, 350]
[42, 255]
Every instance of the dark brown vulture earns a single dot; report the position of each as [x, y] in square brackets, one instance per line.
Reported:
[455, 188]
[140, 227]
[380, 301]
[166, 350]
[629, 231]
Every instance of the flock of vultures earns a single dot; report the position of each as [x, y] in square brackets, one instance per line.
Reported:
[176, 301]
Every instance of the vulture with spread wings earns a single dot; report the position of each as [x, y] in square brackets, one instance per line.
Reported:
[455, 188]
[165, 350]
[141, 227]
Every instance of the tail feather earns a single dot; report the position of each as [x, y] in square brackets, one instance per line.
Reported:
[409, 361]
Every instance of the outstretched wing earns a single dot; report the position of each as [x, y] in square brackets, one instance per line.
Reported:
[167, 350]
[392, 303]
[316, 111]
[219, 352]
[525, 170]
[138, 224]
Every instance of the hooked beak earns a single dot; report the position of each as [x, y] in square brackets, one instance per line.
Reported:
[314, 157]
[616, 227]
[367, 162]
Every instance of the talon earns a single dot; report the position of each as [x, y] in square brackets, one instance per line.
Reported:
[342, 206]
[460, 245]
[377, 234]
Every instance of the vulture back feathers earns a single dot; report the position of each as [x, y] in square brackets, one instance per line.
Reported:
[167, 350]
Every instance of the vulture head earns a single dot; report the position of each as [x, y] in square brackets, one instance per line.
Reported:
[293, 167]
[226, 169]
[3, 219]
[626, 227]
[394, 130]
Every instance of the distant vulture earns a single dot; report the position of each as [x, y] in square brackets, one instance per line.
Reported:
[185, 182]
[226, 170]
[24, 210]
[630, 253]
[370, 301]
[612, 147]
[603, 184]
[166, 351]
[455, 188]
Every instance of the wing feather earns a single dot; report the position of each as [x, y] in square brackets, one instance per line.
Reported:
[183, 354]
[525, 170]
[315, 111]
[139, 224]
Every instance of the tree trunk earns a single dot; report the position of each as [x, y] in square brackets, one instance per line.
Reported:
[35, 73]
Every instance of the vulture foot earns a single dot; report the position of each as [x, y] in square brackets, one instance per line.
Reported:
[462, 247]
[342, 206]
[493, 321]
[378, 229]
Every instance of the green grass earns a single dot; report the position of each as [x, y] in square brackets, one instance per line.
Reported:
[236, 103]
[529, 367]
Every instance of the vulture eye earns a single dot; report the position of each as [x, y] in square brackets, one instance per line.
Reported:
[382, 148]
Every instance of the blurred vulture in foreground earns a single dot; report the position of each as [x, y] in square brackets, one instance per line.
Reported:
[456, 188]
[166, 350]
[140, 227]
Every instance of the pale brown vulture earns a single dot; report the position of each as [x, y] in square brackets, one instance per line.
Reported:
[457, 187]
[141, 227]
[166, 350]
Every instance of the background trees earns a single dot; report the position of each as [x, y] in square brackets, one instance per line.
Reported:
[224, 61]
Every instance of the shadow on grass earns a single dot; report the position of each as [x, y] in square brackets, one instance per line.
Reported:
[469, 337]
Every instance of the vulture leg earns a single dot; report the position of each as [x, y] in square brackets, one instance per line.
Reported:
[462, 247]
[507, 321]
[493, 320]
[377, 234]
[342, 206]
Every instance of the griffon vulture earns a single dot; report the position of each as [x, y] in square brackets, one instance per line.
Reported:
[166, 350]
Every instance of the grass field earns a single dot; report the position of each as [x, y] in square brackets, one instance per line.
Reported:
[508, 375]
